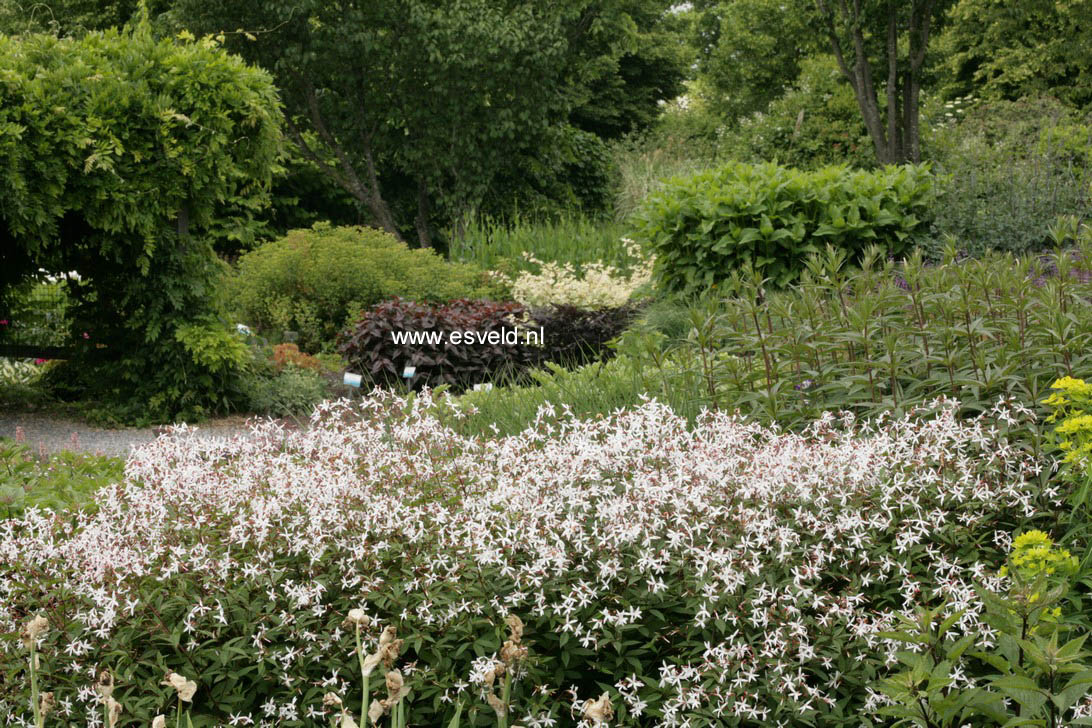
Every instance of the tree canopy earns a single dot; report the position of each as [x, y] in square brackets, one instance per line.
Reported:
[431, 100]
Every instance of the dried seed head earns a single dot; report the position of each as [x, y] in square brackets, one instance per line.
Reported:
[105, 685]
[515, 626]
[376, 710]
[394, 682]
[389, 652]
[357, 618]
[496, 704]
[600, 710]
[491, 675]
[370, 662]
[34, 629]
[512, 653]
[46, 703]
[113, 712]
[331, 700]
[160, 721]
[347, 720]
[388, 635]
[185, 688]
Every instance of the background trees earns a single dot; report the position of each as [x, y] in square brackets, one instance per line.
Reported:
[417, 108]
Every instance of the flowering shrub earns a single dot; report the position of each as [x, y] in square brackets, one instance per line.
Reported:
[999, 656]
[719, 575]
[1072, 404]
[596, 285]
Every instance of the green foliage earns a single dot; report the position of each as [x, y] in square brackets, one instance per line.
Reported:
[815, 122]
[751, 51]
[35, 312]
[1010, 170]
[566, 173]
[707, 227]
[1009, 51]
[60, 482]
[628, 56]
[428, 112]
[120, 152]
[590, 390]
[315, 282]
[683, 144]
[884, 339]
[1030, 678]
[292, 391]
[71, 17]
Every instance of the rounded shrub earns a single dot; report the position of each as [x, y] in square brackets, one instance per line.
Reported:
[120, 152]
[316, 281]
[708, 226]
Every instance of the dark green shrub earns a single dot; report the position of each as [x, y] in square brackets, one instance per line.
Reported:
[317, 281]
[707, 226]
[290, 391]
[572, 335]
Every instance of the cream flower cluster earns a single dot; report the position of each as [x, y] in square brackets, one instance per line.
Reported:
[597, 285]
[585, 526]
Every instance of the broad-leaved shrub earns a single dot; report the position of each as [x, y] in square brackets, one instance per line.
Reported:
[705, 227]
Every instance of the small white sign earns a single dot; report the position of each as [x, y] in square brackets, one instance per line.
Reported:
[409, 372]
[353, 380]
[484, 387]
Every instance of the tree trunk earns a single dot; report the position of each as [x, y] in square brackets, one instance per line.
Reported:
[424, 230]
[896, 139]
[344, 173]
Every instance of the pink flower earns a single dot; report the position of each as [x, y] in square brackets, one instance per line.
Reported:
[3, 322]
[40, 361]
[86, 335]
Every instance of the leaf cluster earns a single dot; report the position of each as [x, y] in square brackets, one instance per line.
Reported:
[706, 227]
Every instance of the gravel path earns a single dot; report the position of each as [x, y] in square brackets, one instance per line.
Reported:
[51, 434]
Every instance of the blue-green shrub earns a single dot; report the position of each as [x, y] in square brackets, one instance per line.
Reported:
[704, 227]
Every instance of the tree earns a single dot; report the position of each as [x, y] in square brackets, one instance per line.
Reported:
[418, 108]
[626, 57]
[882, 45]
[750, 51]
[1014, 50]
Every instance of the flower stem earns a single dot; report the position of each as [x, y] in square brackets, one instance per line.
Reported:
[502, 720]
[34, 685]
[366, 679]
